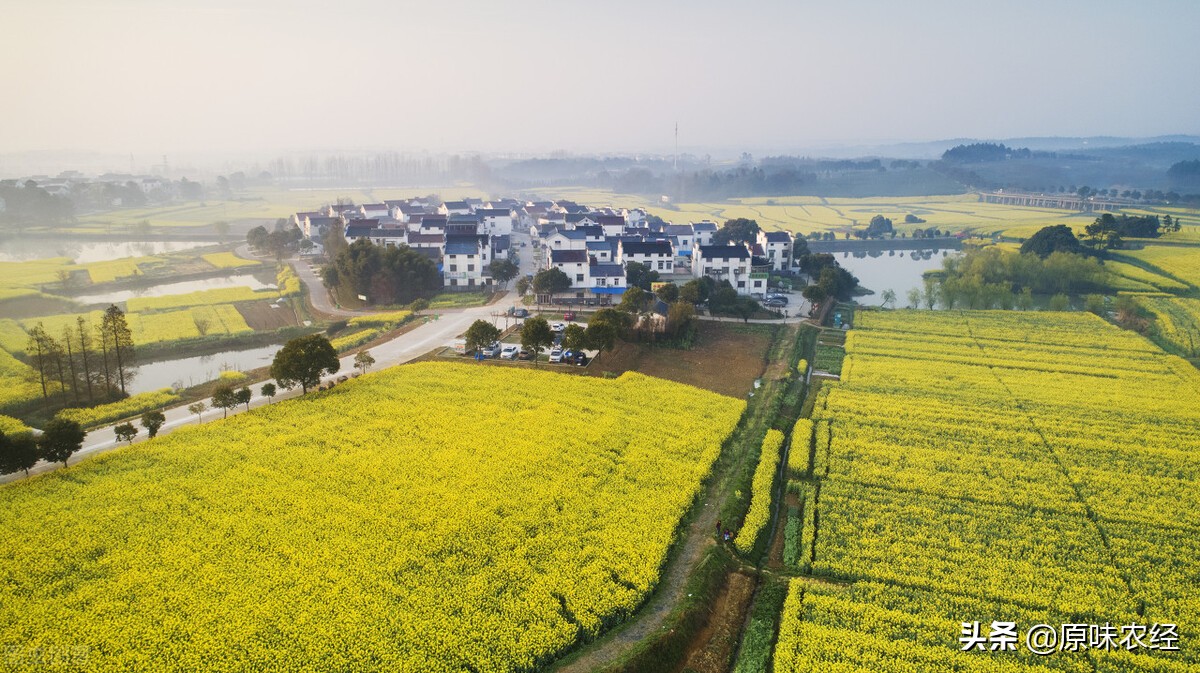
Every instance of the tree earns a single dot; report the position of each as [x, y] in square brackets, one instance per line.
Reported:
[1059, 302]
[691, 292]
[635, 301]
[153, 420]
[243, 396]
[574, 337]
[744, 308]
[362, 362]
[680, 316]
[268, 389]
[198, 409]
[1047, 240]
[914, 298]
[120, 341]
[551, 282]
[302, 361]
[125, 432]
[224, 398]
[503, 270]
[85, 346]
[418, 305]
[740, 230]
[669, 293]
[1094, 303]
[391, 275]
[723, 299]
[879, 226]
[18, 452]
[523, 284]
[603, 329]
[931, 294]
[889, 298]
[38, 350]
[60, 439]
[639, 275]
[536, 335]
[480, 334]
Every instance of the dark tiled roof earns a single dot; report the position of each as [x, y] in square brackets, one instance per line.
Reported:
[724, 252]
[462, 245]
[646, 248]
[703, 226]
[778, 237]
[610, 220]
[678, 230]
[568, 256]
[597, 270]
[426, 238]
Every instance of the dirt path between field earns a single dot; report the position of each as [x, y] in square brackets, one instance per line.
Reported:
[697, 538]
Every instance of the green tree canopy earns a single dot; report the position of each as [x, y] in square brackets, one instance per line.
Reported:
[481, 334]
[60, 439]
[303, 361]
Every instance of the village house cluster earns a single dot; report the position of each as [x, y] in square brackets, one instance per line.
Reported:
[592, 246]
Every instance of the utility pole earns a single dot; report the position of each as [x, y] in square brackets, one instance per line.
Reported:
[676, 147]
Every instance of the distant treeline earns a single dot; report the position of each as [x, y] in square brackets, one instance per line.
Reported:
[32, 204]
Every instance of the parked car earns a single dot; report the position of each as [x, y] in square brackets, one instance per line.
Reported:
[558, 327]
[491, 351]
[581, 359]
[524, 355]
[774, 303]
[509, 352]
[777, 297]
[521, 313]
[556, 355]
[569, 316]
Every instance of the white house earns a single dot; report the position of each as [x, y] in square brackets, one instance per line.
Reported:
[574, 263]
[374, 211]
[777, 248]
[602, 251]
[454, 208]
[704, 232]
[566, 240]
[656, 255]
[613, 225]
[495, 221]
[684, 237]
[464, 262]
[724, 262]
[606, 279]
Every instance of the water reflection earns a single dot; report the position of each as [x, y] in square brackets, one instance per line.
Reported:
[187, 372]
[16, 249]
[182, 287]
[899, 273]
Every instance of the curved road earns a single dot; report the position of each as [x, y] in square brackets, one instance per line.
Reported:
[440, 328]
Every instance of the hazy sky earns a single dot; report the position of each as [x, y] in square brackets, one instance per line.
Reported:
[245, 75]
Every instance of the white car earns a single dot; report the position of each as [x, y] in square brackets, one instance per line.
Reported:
[509, 352]
[556, 355]
[558, 327]
[490, 351]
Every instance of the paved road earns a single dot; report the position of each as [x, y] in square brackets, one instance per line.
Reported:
[439, 328]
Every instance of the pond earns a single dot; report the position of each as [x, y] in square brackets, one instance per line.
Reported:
[82, 252]
[895, 270]
[246, 280]
[190, 371]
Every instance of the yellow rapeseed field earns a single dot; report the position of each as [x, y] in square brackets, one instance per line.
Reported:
[1014, 466]
[431, 517]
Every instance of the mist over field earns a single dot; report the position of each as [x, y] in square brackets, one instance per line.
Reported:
[220, 80]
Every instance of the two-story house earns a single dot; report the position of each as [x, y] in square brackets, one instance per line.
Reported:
[724, 262]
